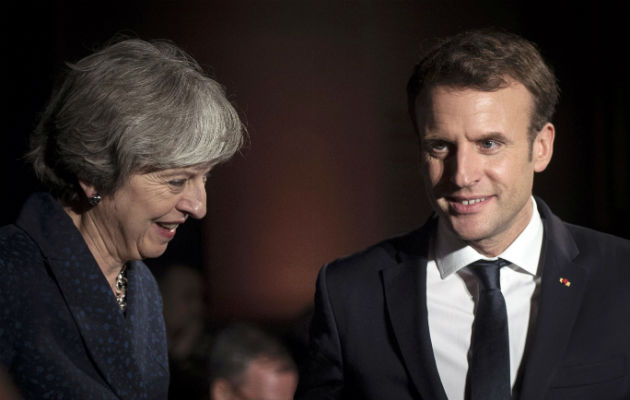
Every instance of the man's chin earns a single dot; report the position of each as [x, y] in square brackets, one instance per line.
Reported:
[467, 229]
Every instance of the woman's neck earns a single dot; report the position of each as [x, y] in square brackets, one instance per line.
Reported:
[97, 238]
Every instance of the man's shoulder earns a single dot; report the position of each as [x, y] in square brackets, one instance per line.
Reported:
[585, 234]
[593, 249]
[584, 238]
[599, 244]
[383, 254]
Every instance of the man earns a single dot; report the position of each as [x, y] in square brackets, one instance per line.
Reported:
[247, 363]
[408, 318]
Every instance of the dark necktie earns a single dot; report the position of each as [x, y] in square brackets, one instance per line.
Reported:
[489, 369]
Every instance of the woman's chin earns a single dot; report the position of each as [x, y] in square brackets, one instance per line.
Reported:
[153, 251]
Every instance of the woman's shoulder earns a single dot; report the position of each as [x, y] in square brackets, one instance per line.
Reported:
[16, 246]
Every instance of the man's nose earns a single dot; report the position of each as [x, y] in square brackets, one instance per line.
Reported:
[464, 167]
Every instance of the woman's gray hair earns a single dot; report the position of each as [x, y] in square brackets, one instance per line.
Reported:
[132, 107]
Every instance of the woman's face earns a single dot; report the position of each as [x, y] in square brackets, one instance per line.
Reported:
[141, 217]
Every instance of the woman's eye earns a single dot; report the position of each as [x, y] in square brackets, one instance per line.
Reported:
[177, 182]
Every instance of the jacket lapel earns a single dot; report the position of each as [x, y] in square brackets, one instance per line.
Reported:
[405, 296]
[89, 299]
[145, 325]
[558, 306]
[99, 320]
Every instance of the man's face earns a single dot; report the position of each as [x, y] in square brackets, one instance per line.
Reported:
[478, 164]
[263, 379]
[267, 379]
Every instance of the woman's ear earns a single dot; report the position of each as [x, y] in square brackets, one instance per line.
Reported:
[92, 195]
[88, 189]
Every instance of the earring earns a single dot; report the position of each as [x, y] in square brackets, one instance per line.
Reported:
[94, 199]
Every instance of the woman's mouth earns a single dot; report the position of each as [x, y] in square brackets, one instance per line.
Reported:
[168, 226]
[167, 229]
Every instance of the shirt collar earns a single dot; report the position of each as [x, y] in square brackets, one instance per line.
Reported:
[452, 254]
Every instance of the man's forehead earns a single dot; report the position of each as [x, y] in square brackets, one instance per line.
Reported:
[514, 93]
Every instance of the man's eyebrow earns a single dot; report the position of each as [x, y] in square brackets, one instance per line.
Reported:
[434, 136]
[493, 135]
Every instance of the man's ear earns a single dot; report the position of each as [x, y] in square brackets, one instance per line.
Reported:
[88, 189]
[220, 390]
[542, 148]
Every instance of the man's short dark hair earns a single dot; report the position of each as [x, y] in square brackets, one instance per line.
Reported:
[237, 345]
[486, 60]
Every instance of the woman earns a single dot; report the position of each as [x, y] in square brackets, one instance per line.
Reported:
[125, 146]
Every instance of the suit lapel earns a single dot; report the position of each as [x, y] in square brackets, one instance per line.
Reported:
[405, 297]
[558, 306]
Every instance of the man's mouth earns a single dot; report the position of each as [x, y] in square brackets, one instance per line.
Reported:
[469, 205]
[471, 201]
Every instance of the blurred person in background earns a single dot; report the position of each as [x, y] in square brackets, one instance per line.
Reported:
[8, 391]
[188, 330]
[124, 147]
[247, 363]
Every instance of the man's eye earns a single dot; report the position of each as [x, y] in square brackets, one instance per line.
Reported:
[437, 147]
[489, 144]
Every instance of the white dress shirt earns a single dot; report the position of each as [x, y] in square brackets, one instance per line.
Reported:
[452, 292]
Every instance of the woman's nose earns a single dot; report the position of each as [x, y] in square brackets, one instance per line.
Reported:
[193, 200]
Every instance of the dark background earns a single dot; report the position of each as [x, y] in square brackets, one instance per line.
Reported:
[331, 166]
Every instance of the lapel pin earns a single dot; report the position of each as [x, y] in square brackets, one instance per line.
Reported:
[565, 282]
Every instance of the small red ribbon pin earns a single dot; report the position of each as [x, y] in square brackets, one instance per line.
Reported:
[565, 282]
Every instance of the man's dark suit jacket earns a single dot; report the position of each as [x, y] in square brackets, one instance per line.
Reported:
[62, 335]
[370, 335]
